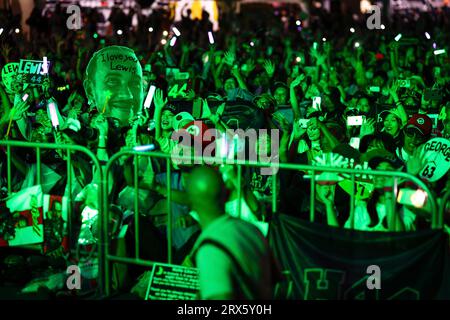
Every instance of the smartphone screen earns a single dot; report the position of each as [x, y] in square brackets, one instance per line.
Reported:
[409, 197]
[25, 97]
[182, 76]
[303, 123]
[316, 104]
[355, 120]
[149, 98]
[354, 142]
[404, 83]
[374, 89]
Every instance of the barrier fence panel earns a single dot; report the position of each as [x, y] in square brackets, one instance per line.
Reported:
[9, 144]
[443, 207]
[437, 222]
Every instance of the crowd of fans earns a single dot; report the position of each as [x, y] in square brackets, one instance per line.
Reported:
[261, 72]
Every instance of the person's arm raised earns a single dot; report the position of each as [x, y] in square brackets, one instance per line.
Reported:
[293, 96]
[160, 102]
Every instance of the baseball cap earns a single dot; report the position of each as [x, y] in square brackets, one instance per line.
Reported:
[377, 156]
[383, 114]
[181, 119]
[170, 107]
[420, 122]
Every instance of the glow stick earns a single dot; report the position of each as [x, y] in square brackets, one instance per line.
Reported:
[148, 147]
[53, 114]
[438, 52]
[176, 31]
[173, 41]
[10, 122]
[211, 37]
[108, 95]
[45, 66]
[149, 98]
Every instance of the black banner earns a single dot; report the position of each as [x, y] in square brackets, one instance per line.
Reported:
[340, 264]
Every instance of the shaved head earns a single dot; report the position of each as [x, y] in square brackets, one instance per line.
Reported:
[206, 183]
[206, 190]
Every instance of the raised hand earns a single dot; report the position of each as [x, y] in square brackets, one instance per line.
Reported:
[298, 130]
[250, 65]
[297, 81]
[325, 193]
[393, 89]
[368, 127]
[19, 109]
[101, 124]
[269, 67]
[229, 58]
[159, 100]
[190, 95]
[6, 49]
[416, 163]
[284, 124]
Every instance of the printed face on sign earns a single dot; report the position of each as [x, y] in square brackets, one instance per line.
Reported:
[115, 83]
[10, 78]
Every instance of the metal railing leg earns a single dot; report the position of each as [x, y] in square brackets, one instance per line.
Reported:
[136, 206]
[38, 165]
[312, 198]
[69, 201]
[352, 201]
[104, 243]
[239, 204]
[8, 168]
[274, 193]
[169, 209]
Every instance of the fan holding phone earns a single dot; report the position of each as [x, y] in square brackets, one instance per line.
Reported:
[312, 138]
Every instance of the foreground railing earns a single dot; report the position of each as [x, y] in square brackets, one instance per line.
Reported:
[437, 221]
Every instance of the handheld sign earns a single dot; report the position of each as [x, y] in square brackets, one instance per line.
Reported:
[436, 156]
[172, 282]
[33, 70]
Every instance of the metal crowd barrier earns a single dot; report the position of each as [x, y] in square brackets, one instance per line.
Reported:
[104, 256]
[443, 204]
[38, 147]
[437, 219]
